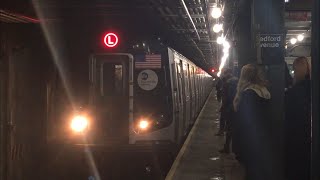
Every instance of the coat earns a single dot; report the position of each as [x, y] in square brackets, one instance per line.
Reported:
[298, 131]
[252, 129]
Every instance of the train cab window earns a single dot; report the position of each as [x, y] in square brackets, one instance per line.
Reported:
[112, 79]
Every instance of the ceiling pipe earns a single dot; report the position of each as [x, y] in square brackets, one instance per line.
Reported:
[186, 9]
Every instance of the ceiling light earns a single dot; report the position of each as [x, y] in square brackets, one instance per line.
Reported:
[226, 47]
[217, 28]
[293, 40]
[220, 39]
[226, 44]
[225, 51]
[300, 37]
[216, 12]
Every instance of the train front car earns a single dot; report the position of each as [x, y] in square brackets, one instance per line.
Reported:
[131, 100]
[144, 101]
[139, 104]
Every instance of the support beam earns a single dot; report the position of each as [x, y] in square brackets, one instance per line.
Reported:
[257, 18]
[268, 20]
[315, 80]
[192, 15]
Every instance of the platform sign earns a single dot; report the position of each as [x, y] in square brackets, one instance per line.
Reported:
[110, 40]
[271, 48]
[271, 40]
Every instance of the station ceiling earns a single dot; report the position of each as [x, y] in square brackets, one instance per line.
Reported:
[193, 36]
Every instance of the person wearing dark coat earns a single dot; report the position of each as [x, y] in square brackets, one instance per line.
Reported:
[231, 89]
[219, 89]
[298, 123]
[224, 115]
[252, 127]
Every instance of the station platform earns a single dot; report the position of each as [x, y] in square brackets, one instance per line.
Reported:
[199, 157]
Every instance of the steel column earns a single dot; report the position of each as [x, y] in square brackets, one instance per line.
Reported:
[315, 79]
[257, 17]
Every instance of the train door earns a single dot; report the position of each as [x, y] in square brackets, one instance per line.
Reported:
[188, 95]
[198, 89]
[192, 90]
[180, 99]
[110, 77]
[184, 94]
[195, 91]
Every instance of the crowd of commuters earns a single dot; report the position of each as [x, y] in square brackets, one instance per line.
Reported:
[245, 119]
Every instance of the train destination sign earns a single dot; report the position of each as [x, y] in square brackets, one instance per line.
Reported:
[271, 40]
[110, 40]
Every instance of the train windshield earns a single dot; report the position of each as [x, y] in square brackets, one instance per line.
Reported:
[112, 79]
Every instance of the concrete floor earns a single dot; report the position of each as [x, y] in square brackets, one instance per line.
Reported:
[199, 158]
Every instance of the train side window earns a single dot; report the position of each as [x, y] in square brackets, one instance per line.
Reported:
[174, 77]
[189, 78]
[192, 79]
[186, 69]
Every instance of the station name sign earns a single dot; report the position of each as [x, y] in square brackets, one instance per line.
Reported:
[271, 48]
[271, 40]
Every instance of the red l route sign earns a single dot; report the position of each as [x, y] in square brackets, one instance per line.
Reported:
[110, 40]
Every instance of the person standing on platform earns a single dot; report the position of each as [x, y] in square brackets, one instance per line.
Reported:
[298, 123]
[226, 75]
[219, 89]
[252, 125]
[231, 89]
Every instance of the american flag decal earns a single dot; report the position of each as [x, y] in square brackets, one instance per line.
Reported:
[152, 61]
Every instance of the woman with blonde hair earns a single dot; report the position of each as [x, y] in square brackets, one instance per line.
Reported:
[298, 122]
[251, 78]
[252, 126]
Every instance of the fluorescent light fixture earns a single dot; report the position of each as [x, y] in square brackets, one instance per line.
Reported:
[217, 28]
[216, 12]
[226, 44]
[220, 40]
[293, 40]
[300, 37]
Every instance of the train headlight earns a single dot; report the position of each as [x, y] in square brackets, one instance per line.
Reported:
[79, 123]
[143, 124]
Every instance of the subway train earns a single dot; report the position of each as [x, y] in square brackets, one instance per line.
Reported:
[138, 105]
[135, 101]
[63, 98]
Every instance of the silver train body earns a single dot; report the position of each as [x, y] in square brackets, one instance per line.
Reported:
[134, 106]
[41, 94]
